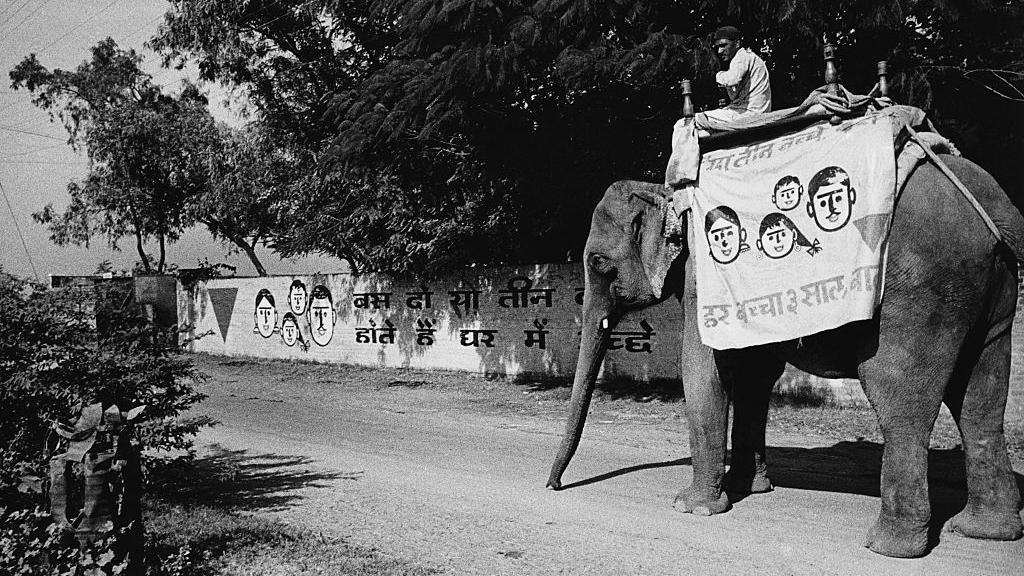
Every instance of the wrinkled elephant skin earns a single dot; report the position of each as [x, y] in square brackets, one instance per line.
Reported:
[942, 334]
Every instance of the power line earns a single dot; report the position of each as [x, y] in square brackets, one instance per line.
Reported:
[79, 25]
[33, 151]
[10, 33]
[3, 161]
[30, 133]
[140, 28]
[8, 14]
[20, 235]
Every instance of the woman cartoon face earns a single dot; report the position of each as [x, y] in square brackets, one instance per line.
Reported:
[726, 238]
[265, 315]
[290, 329]
[777, 241]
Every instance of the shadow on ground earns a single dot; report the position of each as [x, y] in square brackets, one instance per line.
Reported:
[849, 467]
[239, 480]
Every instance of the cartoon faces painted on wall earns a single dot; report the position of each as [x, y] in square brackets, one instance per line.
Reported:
[265, 314]
[830, 198]
[787, 192]
[290, 332]
[726, 238]
[322, 315]
[778, 235]
[297, 297]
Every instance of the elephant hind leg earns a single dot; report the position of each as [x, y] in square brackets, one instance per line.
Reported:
[993, 499]
[904, 381]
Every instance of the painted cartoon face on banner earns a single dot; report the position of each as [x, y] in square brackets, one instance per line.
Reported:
[322, 316]
[777, 236]
[726, 237]
[787, 192]
[290, 332]
[297, 297]
[265, 315]
[830, 198]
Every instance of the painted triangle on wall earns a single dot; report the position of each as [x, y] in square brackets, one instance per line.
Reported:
[872, 229]
[223, 300]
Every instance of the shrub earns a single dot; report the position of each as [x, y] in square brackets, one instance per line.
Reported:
[61, 350]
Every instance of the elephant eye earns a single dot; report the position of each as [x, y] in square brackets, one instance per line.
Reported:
[598, 262]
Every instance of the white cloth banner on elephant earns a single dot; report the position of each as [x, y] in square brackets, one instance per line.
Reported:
[790, 234]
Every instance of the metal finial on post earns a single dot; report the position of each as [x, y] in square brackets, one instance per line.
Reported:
[687, 100]
[883, 78]
[831, 72]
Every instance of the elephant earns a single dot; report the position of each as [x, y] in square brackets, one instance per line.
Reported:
[940, 334]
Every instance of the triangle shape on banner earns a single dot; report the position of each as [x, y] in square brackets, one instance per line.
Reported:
[223, 300]
[872, 229]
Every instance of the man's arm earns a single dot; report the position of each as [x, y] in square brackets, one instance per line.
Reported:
[737, 70]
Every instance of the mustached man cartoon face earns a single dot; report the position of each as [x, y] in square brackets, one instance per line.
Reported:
[322, 316]
[297, 297]
[726, 237]
[786, 195]
[830, 198]
[290, 329]
[265, 315]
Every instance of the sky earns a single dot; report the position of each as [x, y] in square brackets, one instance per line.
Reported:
[36, 164]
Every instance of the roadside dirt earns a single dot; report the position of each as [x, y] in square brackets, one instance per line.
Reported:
[447, 471]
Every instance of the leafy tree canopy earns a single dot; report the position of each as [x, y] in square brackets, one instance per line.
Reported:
[148, 151]
[444, 132]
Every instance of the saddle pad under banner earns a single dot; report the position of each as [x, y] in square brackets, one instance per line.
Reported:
[790, 234]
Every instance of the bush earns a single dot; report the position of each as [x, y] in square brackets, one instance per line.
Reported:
[61, 350]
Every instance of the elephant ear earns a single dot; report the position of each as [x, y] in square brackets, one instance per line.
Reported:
[661, 238]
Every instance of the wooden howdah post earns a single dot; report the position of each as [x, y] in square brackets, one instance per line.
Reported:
[883, 78]
[832, 78]
[687, 100]
[831, 72]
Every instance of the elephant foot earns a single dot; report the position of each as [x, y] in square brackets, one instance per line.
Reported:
[990, 525]
[689, 502]
[898, 538]
[748, 481]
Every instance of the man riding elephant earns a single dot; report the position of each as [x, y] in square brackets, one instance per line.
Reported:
[744, 77]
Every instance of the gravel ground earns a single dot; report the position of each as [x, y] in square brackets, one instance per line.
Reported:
[446, 471]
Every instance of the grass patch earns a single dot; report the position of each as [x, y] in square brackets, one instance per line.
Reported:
[204, 540]
[201, 520]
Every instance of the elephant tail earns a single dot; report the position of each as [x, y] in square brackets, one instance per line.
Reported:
[1000, 210]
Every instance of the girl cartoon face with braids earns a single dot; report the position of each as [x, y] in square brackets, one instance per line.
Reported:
[778, 235]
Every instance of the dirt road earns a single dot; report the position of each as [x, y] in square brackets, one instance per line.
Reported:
[451, 475]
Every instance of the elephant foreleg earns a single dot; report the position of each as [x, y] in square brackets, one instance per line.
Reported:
[707, 411]
[751, 380]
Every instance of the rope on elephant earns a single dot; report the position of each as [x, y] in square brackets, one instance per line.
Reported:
[956, 181]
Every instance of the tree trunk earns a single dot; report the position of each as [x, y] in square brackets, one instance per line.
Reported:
[163, 255]
[218, 229]
[142, 252]
[250, 251]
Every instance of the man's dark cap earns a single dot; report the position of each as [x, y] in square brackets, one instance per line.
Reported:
[728, 33]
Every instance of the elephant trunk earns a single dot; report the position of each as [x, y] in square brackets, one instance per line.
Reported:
[598, 321]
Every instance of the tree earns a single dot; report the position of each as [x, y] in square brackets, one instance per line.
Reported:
[486, 130]
[289, 56]
[148, 151]
[251, 182]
